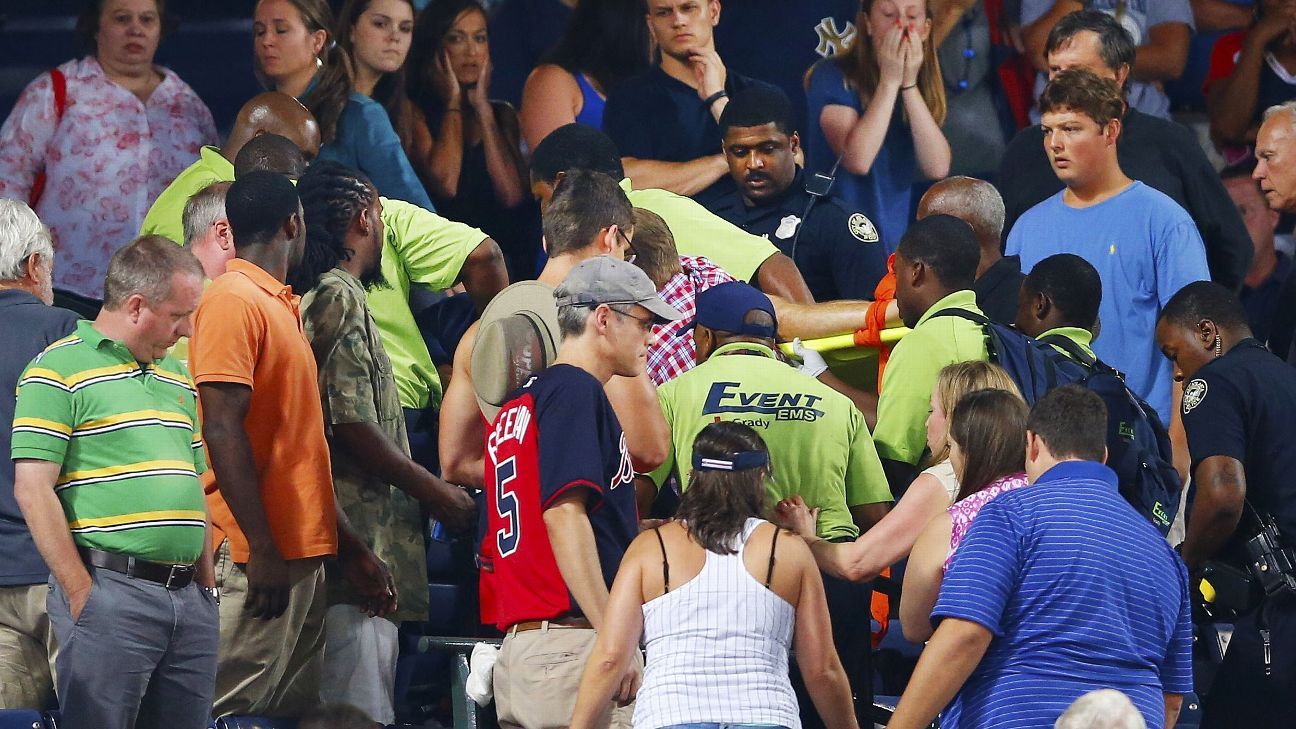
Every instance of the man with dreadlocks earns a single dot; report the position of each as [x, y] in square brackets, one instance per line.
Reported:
[378, 485]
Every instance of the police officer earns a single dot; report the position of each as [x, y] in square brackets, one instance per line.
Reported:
[1239, 411]
[837, 249]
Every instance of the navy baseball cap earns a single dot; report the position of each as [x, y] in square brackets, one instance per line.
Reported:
[723, 308]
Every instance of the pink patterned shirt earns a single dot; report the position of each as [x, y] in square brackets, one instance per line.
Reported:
[674, 352]
[962, 513]
[105, 162]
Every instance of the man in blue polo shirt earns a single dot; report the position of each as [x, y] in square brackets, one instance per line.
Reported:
[666, 121]
[1058, 589]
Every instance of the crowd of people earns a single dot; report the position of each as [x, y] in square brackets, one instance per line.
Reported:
[256, 372]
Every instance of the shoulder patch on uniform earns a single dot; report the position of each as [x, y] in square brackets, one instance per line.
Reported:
[787, 227]
[862, 228]
[1193, 394]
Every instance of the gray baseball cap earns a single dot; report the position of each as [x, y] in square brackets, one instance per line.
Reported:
[605, 280]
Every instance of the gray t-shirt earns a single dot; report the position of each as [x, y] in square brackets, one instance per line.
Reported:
[1137, 17]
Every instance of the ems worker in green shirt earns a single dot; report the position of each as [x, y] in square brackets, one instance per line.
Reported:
[419, 247]
[107, 452]
[1060, 297]
[267, 113]
[819, 444]
[935, 265]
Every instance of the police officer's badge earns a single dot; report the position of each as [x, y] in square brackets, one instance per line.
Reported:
[1194, 392]
[862, 228]
[787, 227]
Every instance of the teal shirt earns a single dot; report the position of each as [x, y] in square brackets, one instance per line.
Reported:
[910, 375]
[819, 444]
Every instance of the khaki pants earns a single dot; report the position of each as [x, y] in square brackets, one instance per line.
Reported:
[27, 648]
[270, 667]
[538, 674]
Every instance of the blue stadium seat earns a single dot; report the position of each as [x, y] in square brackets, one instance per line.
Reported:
[443, 603]
[254, 722]
[52, 719]
[1190, 716]
[20, 719]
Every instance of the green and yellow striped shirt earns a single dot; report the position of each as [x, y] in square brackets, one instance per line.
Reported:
[127, 438]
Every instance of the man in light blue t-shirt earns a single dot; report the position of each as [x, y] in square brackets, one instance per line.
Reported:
[1144, 246]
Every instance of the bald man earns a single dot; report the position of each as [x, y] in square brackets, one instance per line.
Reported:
[977, 203]
[266, 113]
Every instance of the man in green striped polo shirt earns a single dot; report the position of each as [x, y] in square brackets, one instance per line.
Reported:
[107, 452]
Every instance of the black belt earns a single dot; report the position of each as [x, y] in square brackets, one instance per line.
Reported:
[170, 576]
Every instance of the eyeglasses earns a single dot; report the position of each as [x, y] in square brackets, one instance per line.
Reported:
[631, 253]
[644, 324]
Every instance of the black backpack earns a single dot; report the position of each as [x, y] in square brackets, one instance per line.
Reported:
[1138, 445]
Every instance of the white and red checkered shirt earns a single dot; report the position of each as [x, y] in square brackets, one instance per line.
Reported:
[674, 354]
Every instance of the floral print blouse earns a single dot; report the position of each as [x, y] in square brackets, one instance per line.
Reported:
[963, 512]
[105, 161]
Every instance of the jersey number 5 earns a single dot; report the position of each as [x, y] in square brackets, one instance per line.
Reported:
[506, 506]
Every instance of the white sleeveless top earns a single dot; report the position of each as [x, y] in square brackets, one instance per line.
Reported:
[718, 650]
[944, 473]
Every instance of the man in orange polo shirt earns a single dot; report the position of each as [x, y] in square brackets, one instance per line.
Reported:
[274, 516]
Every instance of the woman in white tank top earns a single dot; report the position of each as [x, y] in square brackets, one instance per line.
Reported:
[720, 600]
[930, 494]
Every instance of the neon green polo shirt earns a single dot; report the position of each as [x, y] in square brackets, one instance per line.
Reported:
[166, 217]
[910, 375]
[1082, 337]
[419, 247]
[127, 440]
[699, 232]
[424, 248]
[819, 444]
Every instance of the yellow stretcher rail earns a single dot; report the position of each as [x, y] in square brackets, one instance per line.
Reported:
[846, 341]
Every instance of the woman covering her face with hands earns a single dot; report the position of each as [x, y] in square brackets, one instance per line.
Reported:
[466, 147]
[879, 107]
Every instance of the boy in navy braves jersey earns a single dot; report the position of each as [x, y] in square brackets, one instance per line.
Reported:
[560, 499]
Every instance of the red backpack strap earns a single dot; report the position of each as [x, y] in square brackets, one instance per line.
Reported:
[59, 82]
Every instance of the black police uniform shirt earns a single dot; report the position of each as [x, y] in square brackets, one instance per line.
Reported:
[838, 252]
[1243, 406]
[654, 116]
[998, 288]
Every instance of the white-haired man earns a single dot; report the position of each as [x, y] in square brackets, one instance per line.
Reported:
[28, 324]
[1275, 170]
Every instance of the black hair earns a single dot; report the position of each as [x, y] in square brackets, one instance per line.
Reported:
[270, 153]
[1115, 45]
[946, 245]
[257, 206]
[605, 40]
[575, 147]
[1072, 284]
[717, 504]
[1205, 300]
[1072, 422]
[332, 195]
[585, 203]
[757, 106]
